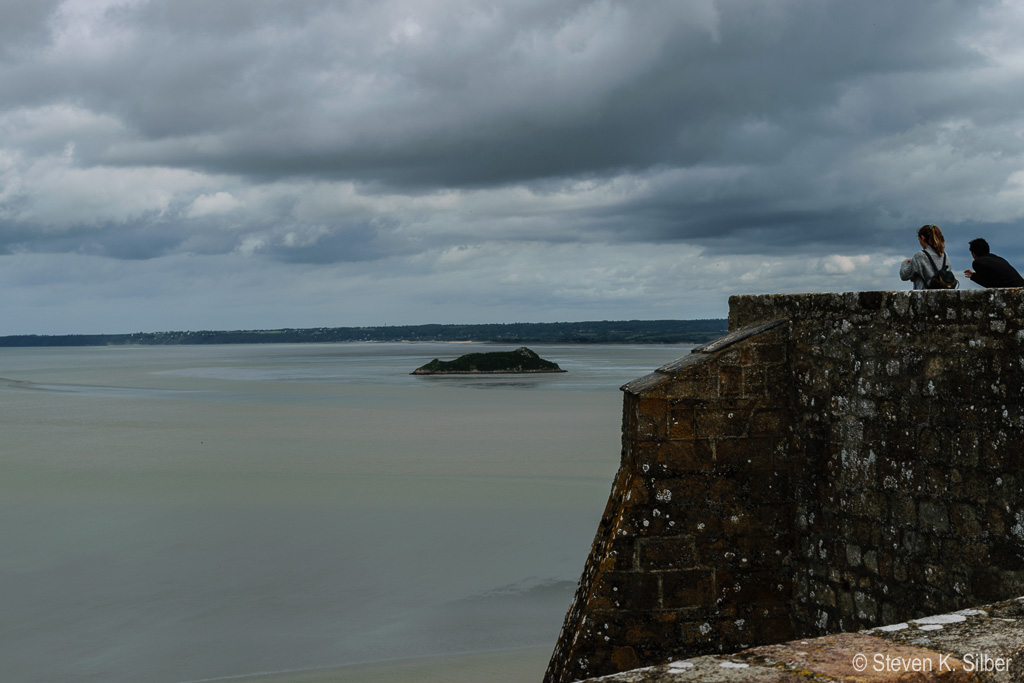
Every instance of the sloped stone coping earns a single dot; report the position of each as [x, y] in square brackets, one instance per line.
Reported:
[731, 338]
[697, 355]
[981, 644]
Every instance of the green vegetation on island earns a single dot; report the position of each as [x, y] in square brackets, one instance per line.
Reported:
[520, 360]
[590, 332]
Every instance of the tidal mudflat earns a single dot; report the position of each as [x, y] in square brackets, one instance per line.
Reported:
[193, 513]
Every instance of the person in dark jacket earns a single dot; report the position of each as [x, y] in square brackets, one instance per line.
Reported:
[990, 270]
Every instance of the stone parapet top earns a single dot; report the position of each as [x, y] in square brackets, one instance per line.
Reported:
[726, 341]
[981, 644]
[746, 310]
[696, 355]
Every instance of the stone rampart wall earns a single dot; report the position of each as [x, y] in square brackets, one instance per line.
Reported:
[910, 408]
[837, 462]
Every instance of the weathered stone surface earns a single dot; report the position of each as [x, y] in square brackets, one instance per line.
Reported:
[838, 461]
[707, 670]
[981, 644]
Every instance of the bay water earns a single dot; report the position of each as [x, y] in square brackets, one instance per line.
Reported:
[297, 512]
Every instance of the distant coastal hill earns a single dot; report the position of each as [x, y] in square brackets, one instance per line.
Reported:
[495, 362]
[592, 332]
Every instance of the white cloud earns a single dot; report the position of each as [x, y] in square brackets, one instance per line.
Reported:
[843, 265]
[49, 128]
[85, 29]
[56, 195]
[213, 204]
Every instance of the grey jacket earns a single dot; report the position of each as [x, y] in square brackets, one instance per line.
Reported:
[919, 269]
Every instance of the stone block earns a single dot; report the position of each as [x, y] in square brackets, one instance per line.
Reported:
[688, 589]
[754, 453]
[965, 521]
[871, 561]
[862, 528]
[624, 658]
[995, 520]
[635, 493]
[670, 458]
[767, 355]
[729, 356]
[651, 423]
[724, 418]
[699, 385]
[663, 554]
[654, 629]
[761, 486]
[687, 489]
[874, 505]
[937, 576]
[854, 556]
[885, 565]
[755, 382]
[767, 423]
[730, 381]
[933, 516]
[681, 421]
[824, 594]
[644, 522]
[701, 636]
[700, 522]
[626, 592]
[866, 607]
[761, 589]
[845, 600]
[994, 454]
[619, 560]
[732, 553]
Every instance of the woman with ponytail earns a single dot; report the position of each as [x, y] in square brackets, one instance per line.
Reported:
[929, 260]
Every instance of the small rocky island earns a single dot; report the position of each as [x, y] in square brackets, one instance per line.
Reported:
[518, 361]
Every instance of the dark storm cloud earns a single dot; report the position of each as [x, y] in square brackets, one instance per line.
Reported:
[583, 153]
[355, 244]
[489, 95]
[297, 88]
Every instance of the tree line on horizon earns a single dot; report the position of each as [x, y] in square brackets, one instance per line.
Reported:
[589, 332]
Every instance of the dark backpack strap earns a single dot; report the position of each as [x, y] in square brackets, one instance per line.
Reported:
[932, 261]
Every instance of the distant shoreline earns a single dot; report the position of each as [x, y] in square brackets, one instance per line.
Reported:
[587, 332]
[487, 372]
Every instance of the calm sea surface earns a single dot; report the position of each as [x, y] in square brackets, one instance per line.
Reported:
[175, 514]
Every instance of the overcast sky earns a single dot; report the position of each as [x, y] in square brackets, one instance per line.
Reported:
[227, 164]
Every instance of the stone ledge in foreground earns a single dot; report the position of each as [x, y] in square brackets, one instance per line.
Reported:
[982, 644]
